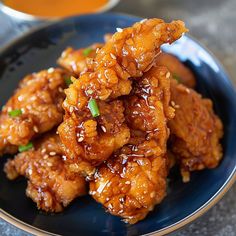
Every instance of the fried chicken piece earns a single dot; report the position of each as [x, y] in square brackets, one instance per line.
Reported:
[133, 181]
[127, 54]
[88, 142]
[50, 183]
[179, 71]
[77, 61]
[38, 104]
[195, 131]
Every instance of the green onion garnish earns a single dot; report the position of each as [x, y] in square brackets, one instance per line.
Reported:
[68, 81]
[15, 113]
[87, 51]
[176, 77]
[93, 107]
[23, 148]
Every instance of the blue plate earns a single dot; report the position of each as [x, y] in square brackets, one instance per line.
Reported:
[185, 202]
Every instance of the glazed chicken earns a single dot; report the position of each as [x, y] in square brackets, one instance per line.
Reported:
[78, 61]
[50, 183]
[179, 71]
[34, 108]
[127, 54]
[133, 180]
[195, 131]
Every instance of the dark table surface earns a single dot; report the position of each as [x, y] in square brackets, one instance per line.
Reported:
[212, 22]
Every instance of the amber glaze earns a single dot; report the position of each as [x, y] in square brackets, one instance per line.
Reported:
[55, 8]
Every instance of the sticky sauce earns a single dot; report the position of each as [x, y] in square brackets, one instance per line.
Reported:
[56, 8]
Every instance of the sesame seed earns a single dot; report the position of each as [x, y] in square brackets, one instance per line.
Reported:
[177, 106]
[64, 158]
[168, 75]
[152, 195]
[119, 30]
[45, 157]
[52, 153]
[187, 90]
[35, 128]
[89, 91]
[80, 139]
[127, 182]
[112, 56]
[71, 109]
[49, 164]
[30, 172]
[103, 129]
[97, 49]
[60, 89]
[43, 150]
[50, 70]
[172, 103]
[142, 21]
[57, 132]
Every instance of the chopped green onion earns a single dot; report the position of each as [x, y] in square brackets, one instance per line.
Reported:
[15, 113]
[87, 51]
[68, 81]
[93, 107]
[176, 77]
[23, 148]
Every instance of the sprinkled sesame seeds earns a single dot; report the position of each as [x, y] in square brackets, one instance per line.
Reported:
[43, 150]
[50, 70]
[80, 139]
[60, 89]
[112, 56]
[71, 109]
[45, 157]
[177, 106]
[168, 75]
[172, 103]
[142, 21]
[152, 194]
[119, 30]
[103, 129]
[52, 153]
[35, 128]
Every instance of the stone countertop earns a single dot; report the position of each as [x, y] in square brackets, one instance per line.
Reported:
[213, 23]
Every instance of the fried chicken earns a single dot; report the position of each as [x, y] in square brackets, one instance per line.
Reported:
[133, 181]
[89, 141]
[195, 131]
[179, 71]
[34, 108]
[50, 183]
[77, 61]
[126, 54]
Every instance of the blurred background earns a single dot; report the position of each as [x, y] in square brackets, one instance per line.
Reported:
[212, 22]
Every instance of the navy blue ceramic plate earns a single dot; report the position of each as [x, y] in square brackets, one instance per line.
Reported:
[184, 203]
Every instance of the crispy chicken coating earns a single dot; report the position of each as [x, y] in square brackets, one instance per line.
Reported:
[195, 131]
[126, 54]
[133, 181]
[50, 183]
[179, 71]
[88, 142]
[77, 61]
[38, 103]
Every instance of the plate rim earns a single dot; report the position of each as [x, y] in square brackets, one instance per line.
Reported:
[168, 229]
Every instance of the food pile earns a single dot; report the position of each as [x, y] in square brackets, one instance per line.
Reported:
[111, 122]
